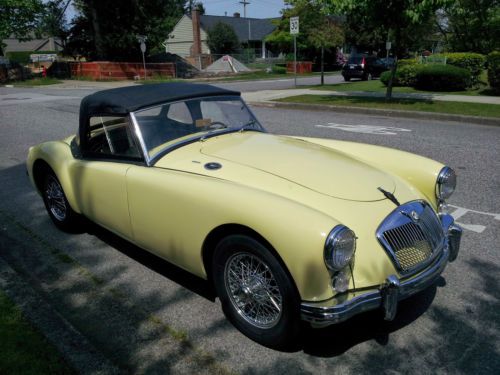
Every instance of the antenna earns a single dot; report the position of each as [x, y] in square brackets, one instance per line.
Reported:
[245, 3]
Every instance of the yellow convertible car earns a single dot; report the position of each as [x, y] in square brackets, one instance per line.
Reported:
[286, 228]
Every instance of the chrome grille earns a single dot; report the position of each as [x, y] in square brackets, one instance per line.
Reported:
[412, 235]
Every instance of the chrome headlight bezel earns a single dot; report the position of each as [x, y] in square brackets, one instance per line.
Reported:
[340, 246]
[446, 183]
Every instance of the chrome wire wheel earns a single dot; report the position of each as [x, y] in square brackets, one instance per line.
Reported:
[56, 201]
[253, 290]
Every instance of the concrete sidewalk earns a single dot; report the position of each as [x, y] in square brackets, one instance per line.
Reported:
[270, 95]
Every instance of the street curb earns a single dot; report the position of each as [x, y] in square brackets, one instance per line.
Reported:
[381, 112]
[72, 345]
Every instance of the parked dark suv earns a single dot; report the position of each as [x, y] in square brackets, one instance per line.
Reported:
[364, 67]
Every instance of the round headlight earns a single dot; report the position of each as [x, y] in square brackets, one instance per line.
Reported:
[446, 182]
[339, 247]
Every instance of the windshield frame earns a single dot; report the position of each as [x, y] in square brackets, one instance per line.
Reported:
[201, 136]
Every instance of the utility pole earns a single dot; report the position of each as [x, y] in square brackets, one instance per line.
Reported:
[245, 3]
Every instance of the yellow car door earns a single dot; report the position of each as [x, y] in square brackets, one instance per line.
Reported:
[100, 174]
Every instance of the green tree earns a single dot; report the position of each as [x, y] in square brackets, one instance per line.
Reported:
[19, 18]
[325, 35]
[471, 25]
[399, 18]
[319, 32]
[222, 39]
[108, 29]
[53, 20]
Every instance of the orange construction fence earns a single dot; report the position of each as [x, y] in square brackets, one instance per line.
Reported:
[105, 70]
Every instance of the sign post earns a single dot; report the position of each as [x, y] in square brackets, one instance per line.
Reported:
[388, 46]
[142, 40]
[294, 30]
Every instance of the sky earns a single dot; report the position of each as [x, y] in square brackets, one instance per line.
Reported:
[256, 8]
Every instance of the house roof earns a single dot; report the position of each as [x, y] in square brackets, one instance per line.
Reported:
[12, 44]
[256, 28]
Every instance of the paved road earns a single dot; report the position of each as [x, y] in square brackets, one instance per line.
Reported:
[135, 308]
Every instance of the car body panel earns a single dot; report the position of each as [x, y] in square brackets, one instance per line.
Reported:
[304, 163]
[173, 206]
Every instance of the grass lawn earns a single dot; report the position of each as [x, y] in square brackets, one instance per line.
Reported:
[377, 86]
[258, 75]
[23, 350]
[458, 108]
[37, 82]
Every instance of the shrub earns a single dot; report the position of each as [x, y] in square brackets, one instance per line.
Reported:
[473, 62]
[406, 75]
[405, 62]
[442, 78]
[494, 70]
[278, 69]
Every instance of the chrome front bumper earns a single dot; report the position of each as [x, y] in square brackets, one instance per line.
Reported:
[387, 294]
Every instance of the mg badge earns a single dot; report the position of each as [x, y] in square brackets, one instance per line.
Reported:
[414, 216]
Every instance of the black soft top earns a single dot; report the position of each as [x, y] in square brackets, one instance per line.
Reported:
[123, 100]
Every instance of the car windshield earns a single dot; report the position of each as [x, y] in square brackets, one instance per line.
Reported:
[165, 126]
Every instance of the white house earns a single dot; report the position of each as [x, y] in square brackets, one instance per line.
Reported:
[184, 41]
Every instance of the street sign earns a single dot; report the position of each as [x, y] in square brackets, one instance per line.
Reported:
[143, 47]
[294, 25]
[388, 45]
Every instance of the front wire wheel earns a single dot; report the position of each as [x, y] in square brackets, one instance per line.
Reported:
[257, 295]
[253, 290]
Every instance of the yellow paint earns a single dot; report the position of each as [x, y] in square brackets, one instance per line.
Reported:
[291, 191]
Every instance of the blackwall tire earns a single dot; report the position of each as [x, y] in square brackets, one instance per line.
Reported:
[256, 293]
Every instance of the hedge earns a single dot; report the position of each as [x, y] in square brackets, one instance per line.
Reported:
[442, 78]
[278, 69]
[494, 70]
[473, 62]
[406, 75]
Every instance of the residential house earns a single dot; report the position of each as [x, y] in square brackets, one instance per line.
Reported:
[189, 36]
[34, 45]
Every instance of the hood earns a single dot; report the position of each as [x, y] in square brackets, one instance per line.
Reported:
[315, 167]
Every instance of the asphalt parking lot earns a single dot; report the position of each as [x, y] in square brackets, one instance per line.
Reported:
[147, 316]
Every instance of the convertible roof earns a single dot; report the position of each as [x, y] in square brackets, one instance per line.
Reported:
[123, 100]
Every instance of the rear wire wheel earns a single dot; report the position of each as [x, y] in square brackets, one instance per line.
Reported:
[57, 204]
[256, 293]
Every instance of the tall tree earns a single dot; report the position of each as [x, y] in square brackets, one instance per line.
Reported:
[318, 30]
[110, 28]
[399, 18]
[222, 39]
[325, 35]
[19, 18]
[53, 19]
[472, 25]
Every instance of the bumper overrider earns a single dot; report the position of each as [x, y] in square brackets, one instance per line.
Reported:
[388, 294]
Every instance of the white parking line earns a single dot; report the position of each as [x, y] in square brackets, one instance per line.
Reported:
[367, 129]
[461, 211]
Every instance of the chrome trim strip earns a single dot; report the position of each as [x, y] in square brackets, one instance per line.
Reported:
[396, 219]
[138, 134]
